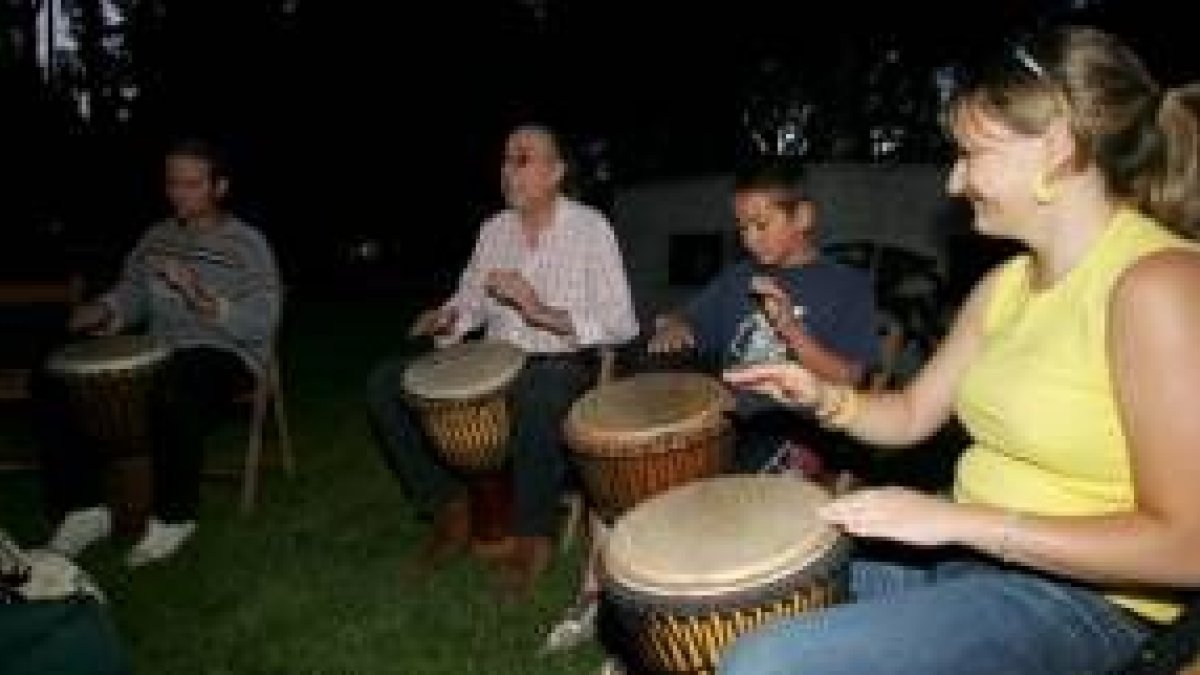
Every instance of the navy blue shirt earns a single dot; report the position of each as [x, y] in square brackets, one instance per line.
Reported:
[835, 304]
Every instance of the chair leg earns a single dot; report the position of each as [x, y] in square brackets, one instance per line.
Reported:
[250, 471]
[281, 424]
[576, 512]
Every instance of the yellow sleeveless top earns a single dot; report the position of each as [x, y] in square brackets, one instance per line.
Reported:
[1038, 401]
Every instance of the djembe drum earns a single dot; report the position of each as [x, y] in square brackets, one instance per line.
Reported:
[688, 571]
[461, 394]
[636, 437]
[109, 383]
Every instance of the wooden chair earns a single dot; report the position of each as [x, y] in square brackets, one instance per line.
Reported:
[265, 399]
[1174, 650]
[891, 340]
[14, 379]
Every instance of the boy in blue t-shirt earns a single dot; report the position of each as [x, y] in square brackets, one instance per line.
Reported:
[785, 303]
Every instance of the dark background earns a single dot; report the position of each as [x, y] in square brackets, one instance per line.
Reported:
[364, 136]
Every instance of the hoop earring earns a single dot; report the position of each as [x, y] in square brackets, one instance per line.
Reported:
[1043, 192]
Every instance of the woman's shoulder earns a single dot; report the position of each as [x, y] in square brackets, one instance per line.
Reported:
[1165, 271]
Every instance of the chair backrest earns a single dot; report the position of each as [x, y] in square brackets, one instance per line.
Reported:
[892, 340]
[1174, 650]
[44, 302]
[66, 291]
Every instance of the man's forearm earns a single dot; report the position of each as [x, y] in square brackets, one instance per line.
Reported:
[557, 321]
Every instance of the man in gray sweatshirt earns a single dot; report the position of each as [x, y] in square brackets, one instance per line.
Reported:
[205, 284]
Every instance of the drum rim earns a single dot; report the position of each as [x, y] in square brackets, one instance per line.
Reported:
[806, 548]
[156, 351]
[587, 438]
[829, 565]
[646, 443]
[498, 382]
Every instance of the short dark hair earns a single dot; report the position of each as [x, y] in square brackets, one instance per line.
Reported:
[785, 178]
[200, 148]
[563, 151]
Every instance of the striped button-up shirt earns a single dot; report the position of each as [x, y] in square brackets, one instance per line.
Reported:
[575, 266]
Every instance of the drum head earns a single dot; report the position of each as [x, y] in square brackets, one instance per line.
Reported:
[463, 371]
[107, 354]
[720, 535]
[643, 407]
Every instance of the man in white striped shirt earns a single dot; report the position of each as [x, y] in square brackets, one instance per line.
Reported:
[547, 276]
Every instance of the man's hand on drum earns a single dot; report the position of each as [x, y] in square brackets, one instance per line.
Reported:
[671, 334]
[900, 514]
[788, 383]
[433, 322]
[776, 303]
[95, 318]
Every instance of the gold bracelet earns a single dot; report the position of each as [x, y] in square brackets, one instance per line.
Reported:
[821, 405]
[828, 401]
[847, 411]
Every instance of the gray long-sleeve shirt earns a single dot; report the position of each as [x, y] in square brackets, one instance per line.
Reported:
[234, 264]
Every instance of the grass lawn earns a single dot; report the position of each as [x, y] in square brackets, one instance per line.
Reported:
[310, 583]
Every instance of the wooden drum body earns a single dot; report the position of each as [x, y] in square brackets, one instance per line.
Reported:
[687, 572]
[471, 434]
[461, 395]
[109, 383]
[636, 437]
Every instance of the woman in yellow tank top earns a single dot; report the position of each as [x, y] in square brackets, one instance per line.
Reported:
[1076, 370]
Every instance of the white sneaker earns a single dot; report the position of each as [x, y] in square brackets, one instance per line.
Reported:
[161, 541]
[80, 529]
[577, 627]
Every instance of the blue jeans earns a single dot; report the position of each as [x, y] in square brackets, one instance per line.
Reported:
[947, 618]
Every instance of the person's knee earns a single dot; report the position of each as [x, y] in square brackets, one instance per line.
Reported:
[383, 384]
[748, 655]
[777, 647]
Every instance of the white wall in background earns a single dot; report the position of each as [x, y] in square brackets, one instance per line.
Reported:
[903, 205]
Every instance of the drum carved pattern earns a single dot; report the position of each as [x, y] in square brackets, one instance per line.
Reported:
[471, 435]
[669, 642]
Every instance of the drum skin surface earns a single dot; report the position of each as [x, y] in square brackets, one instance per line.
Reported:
[463, 371]
[107, 354]
[619, 418]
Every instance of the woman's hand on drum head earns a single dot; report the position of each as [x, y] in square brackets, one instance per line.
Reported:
[671, 334]
[95, 318]
[788, 383]
[898, 514]
[438, 321]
